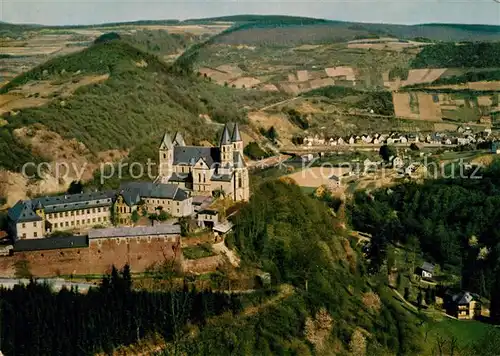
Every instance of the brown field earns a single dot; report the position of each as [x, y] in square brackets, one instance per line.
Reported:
[30, 51]
[290, 88]
[22, 103]
[269, 87]
[218, 76]
[247, 82]
[35, 94]
[445, 127]
[47, 88]
[235, 71]
[494, 85]
[418, 76]
[316, 176]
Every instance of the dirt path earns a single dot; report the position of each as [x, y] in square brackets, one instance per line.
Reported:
[286, 101]
[286, 290]
[402, 299]
[269, 162]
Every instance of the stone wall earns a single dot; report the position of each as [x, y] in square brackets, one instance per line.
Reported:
[139, 253]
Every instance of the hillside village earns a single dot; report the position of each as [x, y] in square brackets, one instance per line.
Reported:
[463, 136]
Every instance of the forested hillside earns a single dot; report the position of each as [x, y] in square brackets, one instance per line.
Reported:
[141, 99]
[451, 55]
[453, 221]
[289, 30]
[378, 101]
[295, 238]
[36, 321]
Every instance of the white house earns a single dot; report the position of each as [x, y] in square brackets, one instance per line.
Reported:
[426, 270]
[334, 182]
[397, 162]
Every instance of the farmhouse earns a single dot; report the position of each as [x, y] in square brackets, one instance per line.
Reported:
[334, 182]
[426, 270]
[463, 305]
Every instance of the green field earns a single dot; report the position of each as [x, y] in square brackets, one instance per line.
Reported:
[465, 331]
[197, 252]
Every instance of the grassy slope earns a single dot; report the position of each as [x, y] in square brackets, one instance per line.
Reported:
[293, 237]
[465, 332]
[135, 105]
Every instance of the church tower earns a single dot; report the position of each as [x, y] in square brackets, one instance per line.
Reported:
[236, 139]
[166, 157]
[226, 148]
[241, 179]
[179, 140]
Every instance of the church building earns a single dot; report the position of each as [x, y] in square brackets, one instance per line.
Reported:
[206, 171]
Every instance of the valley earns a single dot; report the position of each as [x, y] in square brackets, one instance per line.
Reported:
[313, 187]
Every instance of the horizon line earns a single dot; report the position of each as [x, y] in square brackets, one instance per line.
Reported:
[215, 19]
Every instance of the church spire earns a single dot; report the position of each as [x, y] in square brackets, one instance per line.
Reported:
[225, 139]
[179, 140]
[236, 137]
[166, 143]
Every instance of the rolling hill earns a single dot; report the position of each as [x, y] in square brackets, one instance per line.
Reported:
[301, 30]
[141, 98]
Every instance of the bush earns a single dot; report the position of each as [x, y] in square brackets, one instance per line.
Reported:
[163, 216]
[197, 252]
[398, 72]
[254, 151]
[110, 36]
[296, 118]
[272, 134]
[61, 234]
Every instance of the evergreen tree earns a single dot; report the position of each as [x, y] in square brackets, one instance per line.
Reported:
[419, 299]
[495, 297]
[428, 296]
[75, 187]
[407, 293]
[127, 278]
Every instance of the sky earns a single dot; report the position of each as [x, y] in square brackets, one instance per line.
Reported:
[72, 12]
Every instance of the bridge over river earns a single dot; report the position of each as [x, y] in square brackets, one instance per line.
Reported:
[301, 150]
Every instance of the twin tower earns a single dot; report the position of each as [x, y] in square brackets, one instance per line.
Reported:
[206, 170]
